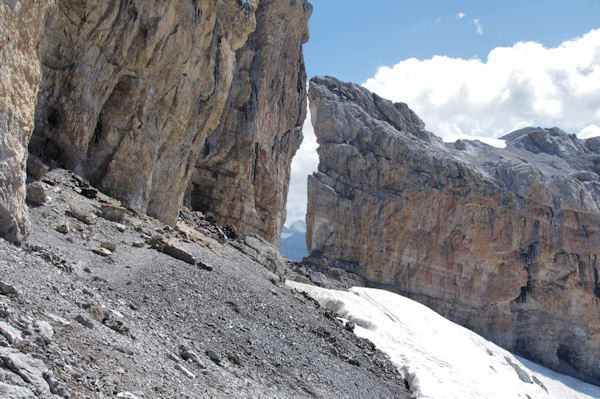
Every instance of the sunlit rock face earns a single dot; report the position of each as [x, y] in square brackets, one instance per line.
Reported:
[131, 89]
[243, 172]
[21, 27]
[503, 241]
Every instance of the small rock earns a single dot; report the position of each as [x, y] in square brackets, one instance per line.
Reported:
[7, 289]
[121, 227]
[62, 228]
[108, 245]
[58, 319]
[233, 358]
[80, 215]
[214, 357]
[179, 253]
[173, 357]
[185, 371]
[230, 231]
[56, 387]
[84, 320]
[126, 395]
[187, 354]
[204, 266]
[116, 325]
[36, 169]
[35, 194]
[98, 313]
[12, 335]
[89, 192]
[44, 329]
[350, 326]
[137, 244]
[114, 213]
[102, 251]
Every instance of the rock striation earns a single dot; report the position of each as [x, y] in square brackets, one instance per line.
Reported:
[21, 23]
[502, 241]
[243, 171]
[131, 89]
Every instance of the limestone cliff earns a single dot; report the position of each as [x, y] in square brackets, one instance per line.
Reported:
[503, 241]
[131, 89]
[21, 23]
[243, 171]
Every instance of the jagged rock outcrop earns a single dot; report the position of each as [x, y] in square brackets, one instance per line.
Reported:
[503, 241]
[131, 89]
[243, 171]
[21, 23]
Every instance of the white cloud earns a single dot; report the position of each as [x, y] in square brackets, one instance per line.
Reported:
[523, 85]
[460, 15]
[305, 162]
[589, 131]
[478, 26]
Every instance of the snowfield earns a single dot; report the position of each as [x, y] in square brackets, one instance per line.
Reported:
[441, 359]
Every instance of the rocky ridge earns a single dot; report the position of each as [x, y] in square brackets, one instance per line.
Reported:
[125, 306]
[502, 241]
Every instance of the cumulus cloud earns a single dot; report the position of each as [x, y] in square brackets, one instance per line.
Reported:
[460, 15]
[478, 26]
[304, 163]
[523, 85]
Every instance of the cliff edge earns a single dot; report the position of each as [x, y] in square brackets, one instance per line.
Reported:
[502, 241]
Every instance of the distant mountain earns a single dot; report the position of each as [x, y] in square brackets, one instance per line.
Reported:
[292, 243]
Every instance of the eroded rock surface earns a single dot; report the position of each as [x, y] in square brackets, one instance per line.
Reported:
[131, 89]
[243, 171]
[503, 241]
[21, 25]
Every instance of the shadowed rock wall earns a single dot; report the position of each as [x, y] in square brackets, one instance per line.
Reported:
[131, 89]
[243, 171]
[502, 241]
[21, 27]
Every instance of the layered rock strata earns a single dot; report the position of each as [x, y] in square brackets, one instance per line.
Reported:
[243, 171]
[21, 23]
[131, 89]
[502, 241]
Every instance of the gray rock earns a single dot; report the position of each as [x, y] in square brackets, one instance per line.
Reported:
[185, 371]
[36, 169]
[84, 321]
[113, 213]
[44, 329]
[12, 335]
[36, 195]
[80, 214]
[62, 228]
[8, 289]
[108, 245]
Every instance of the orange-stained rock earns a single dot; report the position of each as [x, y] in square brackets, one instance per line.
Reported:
[502, 241]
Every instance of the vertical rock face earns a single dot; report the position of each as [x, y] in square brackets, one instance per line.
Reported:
[21, 23]
[131, 89]
[503, 241]
[243, 171]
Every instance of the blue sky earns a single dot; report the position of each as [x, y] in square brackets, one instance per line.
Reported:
[349, 39]
[469, 69]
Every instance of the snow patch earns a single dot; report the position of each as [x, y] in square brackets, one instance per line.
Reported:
[441, 359]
